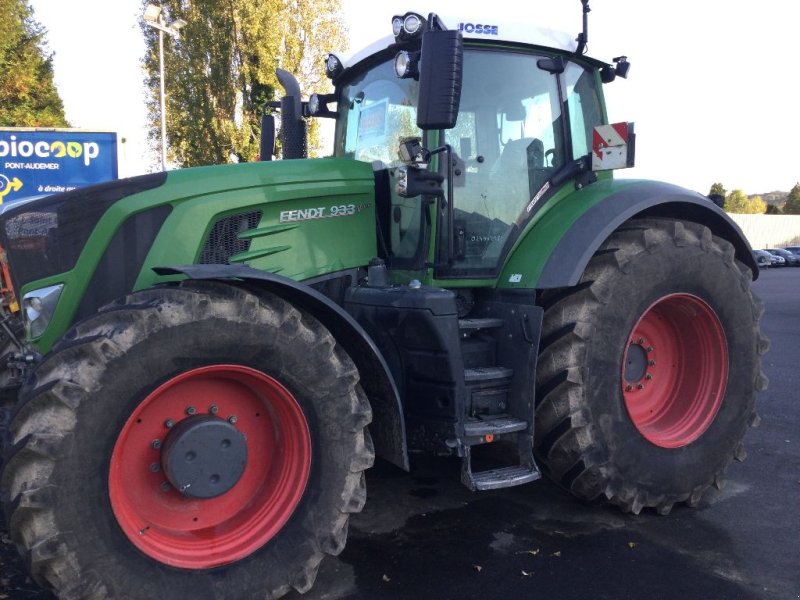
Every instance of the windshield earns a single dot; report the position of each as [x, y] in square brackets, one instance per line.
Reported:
[379, 110]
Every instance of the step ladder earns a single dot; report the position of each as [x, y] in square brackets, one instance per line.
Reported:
[488, 387]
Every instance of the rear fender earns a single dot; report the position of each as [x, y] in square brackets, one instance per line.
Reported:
[388, 427]
[567, 257]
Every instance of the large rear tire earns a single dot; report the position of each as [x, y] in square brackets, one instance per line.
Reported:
[187, 442]
[649, 368]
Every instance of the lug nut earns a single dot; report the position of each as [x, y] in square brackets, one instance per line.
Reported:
[156, 444]
[640, 341]
[649, 348]
[190, 410]
[648, 376]
[652, 363]
[640, 387]
[628, 388]
[165, 487]
[169, 423]
[232, 419]
[154, 467]
[214, 409]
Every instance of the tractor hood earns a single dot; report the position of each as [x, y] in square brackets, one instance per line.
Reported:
[299, 218]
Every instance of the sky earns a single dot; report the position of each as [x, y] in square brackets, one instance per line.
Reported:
[713, 87]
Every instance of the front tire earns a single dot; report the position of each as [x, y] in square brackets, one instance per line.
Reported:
[188, 442]
[649, 368]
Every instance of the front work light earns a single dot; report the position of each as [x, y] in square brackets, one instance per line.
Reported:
[406, 64]
[318, 105]
[314, 104]
[38, 307]
[333, 66]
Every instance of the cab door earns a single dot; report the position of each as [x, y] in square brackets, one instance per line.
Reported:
[508, 141]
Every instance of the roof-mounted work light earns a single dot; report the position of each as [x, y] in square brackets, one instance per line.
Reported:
[333, 66]
[409, 26]
[620, 69]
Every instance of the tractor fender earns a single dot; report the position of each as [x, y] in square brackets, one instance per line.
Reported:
[388, 427]
[567, 261]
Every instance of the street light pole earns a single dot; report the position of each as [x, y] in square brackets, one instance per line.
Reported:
[163, 101]
[154, 17]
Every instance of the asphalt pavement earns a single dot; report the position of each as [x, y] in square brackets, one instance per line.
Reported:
[423, 535]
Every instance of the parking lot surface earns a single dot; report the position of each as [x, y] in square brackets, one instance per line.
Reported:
[423, 535]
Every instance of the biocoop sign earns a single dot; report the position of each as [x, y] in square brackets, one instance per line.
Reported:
[35, 161]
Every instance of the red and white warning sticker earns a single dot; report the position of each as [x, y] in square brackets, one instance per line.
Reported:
[610, 147]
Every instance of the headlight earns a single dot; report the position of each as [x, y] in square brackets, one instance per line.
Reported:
[38, 307]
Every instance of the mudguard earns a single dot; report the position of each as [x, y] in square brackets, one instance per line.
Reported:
[607, 207]
[388, 427]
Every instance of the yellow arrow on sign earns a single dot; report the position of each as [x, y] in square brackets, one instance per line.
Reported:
[14, 185]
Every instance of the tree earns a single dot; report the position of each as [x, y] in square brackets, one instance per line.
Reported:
[792, 206]
[756, 205]
[221, 71]
[738, 202]
[773, 210]
[28, 95]
[718, 188]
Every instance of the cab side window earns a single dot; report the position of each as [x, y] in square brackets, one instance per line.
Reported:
[585, 110]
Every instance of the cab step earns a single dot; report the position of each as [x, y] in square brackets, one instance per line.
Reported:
[493, 425]
[487, 375]
[485, 430]
[503, 477]
[500, 477]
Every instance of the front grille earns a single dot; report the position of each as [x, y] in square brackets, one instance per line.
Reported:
[223, 240]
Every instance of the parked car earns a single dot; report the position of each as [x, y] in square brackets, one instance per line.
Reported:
[763, 259]
[793, 249]
[792, 260]
[777, 259]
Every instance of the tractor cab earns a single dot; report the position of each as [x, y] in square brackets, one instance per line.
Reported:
[470, 131]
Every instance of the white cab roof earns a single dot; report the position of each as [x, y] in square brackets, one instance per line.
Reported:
[515, 32]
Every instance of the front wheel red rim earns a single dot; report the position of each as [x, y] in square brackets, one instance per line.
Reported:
[201, 533]
[675, 370]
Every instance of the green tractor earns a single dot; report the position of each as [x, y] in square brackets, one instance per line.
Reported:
[214, 356]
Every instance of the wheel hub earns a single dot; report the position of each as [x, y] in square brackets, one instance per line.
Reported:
[204, 456]
[635, 363]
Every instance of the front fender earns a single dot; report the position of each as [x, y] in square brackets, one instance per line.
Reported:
[388, 427]
[560, 244]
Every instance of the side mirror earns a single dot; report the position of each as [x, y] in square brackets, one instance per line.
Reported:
[440, 76]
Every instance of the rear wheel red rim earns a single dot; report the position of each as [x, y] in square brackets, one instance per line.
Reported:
[675, 370]
[198, 533]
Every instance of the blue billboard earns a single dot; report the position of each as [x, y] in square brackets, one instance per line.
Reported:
[35, 162]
